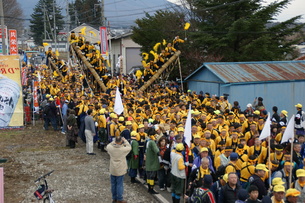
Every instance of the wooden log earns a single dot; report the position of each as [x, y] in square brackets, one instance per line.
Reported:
[54, 67]
[159, 72]
[90, 67]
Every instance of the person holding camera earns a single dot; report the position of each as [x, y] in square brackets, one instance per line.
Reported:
[118, 149]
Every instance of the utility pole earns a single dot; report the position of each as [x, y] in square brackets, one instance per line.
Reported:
[103, 13]
[44, 22]
[54, 16]
[2, 28]
[68, 27]
[101, 5]
[68, 18]
[76, 18]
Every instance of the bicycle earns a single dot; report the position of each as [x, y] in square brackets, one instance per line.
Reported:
[43, 191]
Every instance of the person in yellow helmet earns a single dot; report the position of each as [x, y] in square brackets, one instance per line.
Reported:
[102, 130]
[49, 55]
[177, 172]
[293, 195]
[133, 159]
[177, 41]
[152, 164]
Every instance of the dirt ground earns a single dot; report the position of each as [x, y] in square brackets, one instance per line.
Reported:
[78, 177]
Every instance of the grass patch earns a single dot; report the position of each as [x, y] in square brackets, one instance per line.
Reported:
[8, 134]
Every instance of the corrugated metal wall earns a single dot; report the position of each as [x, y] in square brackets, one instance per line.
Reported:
[205, 81]
[284, 95]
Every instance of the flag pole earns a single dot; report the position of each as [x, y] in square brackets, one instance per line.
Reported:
[291, 160]
[269, 160]
[287, 136]
[187, 139]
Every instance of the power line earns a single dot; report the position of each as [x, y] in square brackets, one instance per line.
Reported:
[115, 2]
[137, 9]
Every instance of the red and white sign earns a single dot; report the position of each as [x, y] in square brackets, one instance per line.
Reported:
[104, 40]
[35, 95]
[13, 42]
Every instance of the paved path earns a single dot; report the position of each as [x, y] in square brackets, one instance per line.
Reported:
[163, 196]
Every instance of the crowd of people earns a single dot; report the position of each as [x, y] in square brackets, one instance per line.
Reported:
[225, 163]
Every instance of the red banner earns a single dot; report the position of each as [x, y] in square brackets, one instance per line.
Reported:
[13, 42]
[104, 42]
[35, 94]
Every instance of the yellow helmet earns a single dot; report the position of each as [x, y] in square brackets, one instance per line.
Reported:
[179, 147]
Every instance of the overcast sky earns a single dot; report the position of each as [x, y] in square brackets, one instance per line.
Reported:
[297, 7]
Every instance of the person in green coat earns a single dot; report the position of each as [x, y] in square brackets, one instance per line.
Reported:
[152, 162]
[133, 161]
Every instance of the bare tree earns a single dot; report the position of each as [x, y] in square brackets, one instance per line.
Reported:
[13, 15]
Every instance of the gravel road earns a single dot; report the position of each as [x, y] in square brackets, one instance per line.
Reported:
[78, 177]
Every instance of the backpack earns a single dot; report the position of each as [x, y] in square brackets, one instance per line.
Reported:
[102, 134]
[46, 109]
[221, 170]
[199, 196]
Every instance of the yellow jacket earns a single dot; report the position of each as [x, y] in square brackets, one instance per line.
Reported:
[246, 171]
[262, 153]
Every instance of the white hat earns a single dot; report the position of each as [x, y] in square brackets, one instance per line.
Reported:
[249, 105]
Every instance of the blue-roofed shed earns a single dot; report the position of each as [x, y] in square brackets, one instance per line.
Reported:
[280, 83]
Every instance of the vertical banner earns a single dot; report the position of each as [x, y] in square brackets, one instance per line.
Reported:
[13, 42]
[35, 93]
[11, 106]
[24, 79]
[104, 41]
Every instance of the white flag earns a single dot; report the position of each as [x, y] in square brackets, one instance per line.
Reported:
[118, 105]
[267, 129]
[38, 76]
[289, 132]
[188, 128]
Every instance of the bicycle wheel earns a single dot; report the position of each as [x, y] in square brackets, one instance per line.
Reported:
[48, 200]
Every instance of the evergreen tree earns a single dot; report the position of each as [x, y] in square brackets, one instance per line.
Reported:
[166, 25]
[238, 31]
[154, 28]
[37, 21]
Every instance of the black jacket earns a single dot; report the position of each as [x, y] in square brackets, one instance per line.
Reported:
[228, 195]
[257, 181]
